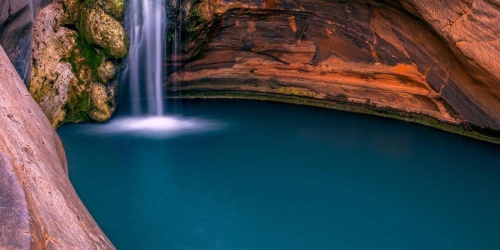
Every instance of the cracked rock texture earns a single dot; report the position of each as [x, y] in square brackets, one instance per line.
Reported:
[39, 207]
[433, 58]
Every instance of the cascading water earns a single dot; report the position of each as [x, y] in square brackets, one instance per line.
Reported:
[147, 22]
[147, 31]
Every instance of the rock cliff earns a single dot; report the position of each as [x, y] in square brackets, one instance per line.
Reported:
[39, 207]
[426, 60]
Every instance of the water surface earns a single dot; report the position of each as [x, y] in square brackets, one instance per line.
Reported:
[259, 175]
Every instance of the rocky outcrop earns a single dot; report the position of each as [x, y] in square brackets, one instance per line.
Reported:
[372, 54]
[39, 207]
[77, 48]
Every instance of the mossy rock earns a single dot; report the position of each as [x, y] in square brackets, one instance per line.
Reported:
[200, 14]
[116, 8]
[71, 12]
[106, 71]
[100, 100]
[78, 105]
[85, 60]
[100, 29]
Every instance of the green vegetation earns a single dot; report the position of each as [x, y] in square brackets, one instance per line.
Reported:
[198, 16]
[85, 55]
[78, 106]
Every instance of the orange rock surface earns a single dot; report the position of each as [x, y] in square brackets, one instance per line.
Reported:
[370, 53]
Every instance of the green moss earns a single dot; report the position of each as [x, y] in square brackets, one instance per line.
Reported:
[78, 106]
[85, 61]
[363, 109]
[70, 14]
[85, 55]
[295, 91]
[116, 8]
[198, 16]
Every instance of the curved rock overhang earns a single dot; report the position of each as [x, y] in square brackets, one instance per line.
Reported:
[406, 57]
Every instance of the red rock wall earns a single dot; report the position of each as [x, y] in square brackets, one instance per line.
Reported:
[372, 53]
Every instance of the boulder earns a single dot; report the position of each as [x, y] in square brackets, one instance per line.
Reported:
[101, 29]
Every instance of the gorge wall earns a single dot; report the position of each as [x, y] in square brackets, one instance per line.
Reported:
[413, 58]
[38, 206]
[417, 59]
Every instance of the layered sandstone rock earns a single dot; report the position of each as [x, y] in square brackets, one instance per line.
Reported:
[373, 54]
[76, 52]
[471, 29]
[39, 207]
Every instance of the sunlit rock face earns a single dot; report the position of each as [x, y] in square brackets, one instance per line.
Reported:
[411, 58]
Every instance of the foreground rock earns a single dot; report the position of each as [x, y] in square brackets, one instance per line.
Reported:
[371, 54]
[39, 207]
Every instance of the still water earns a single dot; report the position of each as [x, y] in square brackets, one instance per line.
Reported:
[256, 175]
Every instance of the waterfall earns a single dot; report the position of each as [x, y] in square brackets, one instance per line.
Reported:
[147, 28]
[146, 23]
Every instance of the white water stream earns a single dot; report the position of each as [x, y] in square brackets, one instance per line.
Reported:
[147, 33]
[147, 26]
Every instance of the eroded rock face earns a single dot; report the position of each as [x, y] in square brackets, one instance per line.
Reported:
[39, 207]
[370, 53]
[68, 63]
